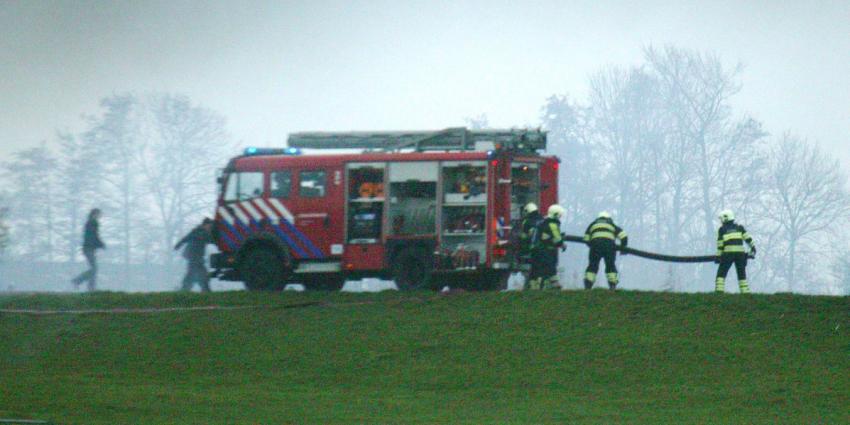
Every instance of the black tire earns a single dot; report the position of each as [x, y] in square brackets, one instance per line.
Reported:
[412, 269]
[262, 270]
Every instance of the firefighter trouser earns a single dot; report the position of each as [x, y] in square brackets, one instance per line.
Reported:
[602, 250]
[739, 259]
[89, 275]
[196, 272]
[544, 269]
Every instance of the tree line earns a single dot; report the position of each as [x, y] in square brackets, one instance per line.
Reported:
[660, 145]
[148, 161]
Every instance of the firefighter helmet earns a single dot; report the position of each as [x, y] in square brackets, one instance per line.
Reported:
[604, 214]
[726, 216]
[530, 207]
[556, 211]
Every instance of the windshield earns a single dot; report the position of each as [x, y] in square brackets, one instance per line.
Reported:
[244, 185]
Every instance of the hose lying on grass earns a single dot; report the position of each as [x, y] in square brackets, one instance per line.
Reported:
[654, 256]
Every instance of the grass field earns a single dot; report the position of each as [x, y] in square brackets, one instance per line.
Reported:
[571, 357]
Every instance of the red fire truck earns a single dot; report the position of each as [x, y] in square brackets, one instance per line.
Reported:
[417, 207]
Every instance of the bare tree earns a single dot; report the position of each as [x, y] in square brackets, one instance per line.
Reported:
[806, 196]
[696, 88]
[80, 172]
[30, 174]
[182, 147]
[628, 132]
[566, 123]
[114, 134]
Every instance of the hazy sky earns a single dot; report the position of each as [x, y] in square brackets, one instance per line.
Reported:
[276, 67]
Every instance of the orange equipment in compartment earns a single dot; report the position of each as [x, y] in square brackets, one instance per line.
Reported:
[371, 190]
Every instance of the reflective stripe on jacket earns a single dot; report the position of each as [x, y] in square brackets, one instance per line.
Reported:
[731, 238]
[604, 228]
[549, 231]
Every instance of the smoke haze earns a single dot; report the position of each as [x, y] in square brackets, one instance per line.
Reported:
[276, 67]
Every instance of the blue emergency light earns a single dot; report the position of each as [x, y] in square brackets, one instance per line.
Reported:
[254, 151]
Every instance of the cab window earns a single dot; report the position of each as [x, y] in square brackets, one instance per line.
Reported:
[312, 184]
[281, 184]
[242, 186]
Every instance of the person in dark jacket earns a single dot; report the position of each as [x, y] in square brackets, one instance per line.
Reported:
[530, 219]
[601, 236]
[91, 243]
[196, 244]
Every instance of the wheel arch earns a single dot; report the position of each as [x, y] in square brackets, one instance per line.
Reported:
[265, 241]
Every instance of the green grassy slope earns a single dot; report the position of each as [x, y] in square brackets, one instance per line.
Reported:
[571, 357]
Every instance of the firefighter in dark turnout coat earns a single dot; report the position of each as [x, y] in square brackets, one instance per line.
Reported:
[528, 227]
[730, 250]
[544, 250]
[196, 243]
[601, 237]
[91, 243]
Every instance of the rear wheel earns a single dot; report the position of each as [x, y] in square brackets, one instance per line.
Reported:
[262, 270]
[412, 269]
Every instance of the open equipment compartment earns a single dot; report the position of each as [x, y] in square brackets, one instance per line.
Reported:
[365, 195]
[464, 214]
[412, 199]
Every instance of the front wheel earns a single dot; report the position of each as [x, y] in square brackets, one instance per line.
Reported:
[412, 269]
[262, 270]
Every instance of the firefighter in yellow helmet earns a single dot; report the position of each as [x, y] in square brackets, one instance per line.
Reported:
[546, 241]
[601, 237]
[731, 250]
[530, 219]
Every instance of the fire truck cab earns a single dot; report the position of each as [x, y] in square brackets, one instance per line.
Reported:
[417, 207]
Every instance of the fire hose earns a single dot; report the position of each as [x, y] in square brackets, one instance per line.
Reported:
[655, 256]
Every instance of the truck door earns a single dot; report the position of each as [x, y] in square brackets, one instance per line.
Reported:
[365, 215]
[316, 208]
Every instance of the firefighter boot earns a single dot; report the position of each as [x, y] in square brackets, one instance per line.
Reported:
[589, 279]
[534, 284]
[720, 285]
[745, 288]
[613, 280]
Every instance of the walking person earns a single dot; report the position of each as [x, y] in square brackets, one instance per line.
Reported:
[601, 236]
[91, 243]
[544, 251]
[196, 244]
[730, 250]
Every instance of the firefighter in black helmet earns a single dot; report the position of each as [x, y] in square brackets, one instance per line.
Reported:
[544, 251]
[601, 237]
[731, 250]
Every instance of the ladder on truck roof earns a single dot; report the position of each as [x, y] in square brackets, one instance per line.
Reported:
[450, 139]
